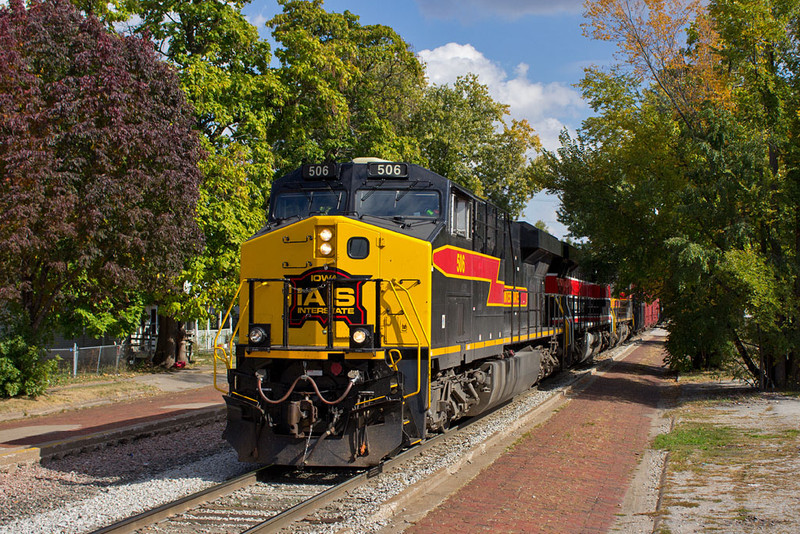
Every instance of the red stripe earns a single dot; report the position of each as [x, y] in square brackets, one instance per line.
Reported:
[577, 288]
[462, 263]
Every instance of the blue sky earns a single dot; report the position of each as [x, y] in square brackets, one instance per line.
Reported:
[530, 53]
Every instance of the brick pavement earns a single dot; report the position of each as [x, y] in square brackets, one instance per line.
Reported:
[571, 473]
[73, 425]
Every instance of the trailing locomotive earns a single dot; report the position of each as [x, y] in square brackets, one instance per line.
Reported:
[382, 301]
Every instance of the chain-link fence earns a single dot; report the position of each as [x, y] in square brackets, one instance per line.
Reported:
[87, 360]
[131, 352]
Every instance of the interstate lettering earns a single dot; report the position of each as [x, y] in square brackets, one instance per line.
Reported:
[324, 311]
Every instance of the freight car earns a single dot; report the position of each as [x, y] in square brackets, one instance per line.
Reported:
[382, 301]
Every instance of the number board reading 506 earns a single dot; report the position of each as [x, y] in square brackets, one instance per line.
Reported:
[387, 170]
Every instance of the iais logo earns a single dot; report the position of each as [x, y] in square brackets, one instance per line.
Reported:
[310, 292]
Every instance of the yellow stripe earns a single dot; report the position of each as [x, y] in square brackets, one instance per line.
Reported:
[492, 343]
[369, 400]
[316, 355]
[446, 350]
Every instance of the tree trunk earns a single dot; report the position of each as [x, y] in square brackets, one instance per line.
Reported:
[180, 353]
[171, 344]
[748, 361]
[779, 371]
[167, 343]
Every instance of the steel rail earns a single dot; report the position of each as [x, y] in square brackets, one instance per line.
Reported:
[297, 512]
[286, 518]
[169, 509]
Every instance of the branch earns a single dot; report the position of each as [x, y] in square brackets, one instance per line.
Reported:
[748, 361]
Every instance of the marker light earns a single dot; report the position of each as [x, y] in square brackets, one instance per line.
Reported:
[359, 335]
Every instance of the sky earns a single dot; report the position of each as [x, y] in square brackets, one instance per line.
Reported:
[529, 53]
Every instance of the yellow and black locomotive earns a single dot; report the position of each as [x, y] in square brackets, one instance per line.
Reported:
[383, 301]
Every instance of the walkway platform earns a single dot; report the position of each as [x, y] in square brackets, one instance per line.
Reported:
[568, 474]
[186, 398]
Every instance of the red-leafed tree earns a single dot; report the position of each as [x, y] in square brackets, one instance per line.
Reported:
[98, 167]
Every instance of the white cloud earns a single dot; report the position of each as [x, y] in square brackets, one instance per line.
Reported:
[547, 107]
[473, 10]
[257, 20]
[448, 62]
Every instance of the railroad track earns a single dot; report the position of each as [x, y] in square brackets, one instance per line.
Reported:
[264, 500]
[248, 503]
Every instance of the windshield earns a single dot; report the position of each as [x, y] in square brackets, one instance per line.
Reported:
[304, 203]
[402, 202]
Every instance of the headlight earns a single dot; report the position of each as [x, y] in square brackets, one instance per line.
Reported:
[257, 335]
[325, 249]
[326, 234]
[360, 335]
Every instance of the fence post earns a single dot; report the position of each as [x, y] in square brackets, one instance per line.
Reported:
[116, 365]
[74, 359]
[99, 355]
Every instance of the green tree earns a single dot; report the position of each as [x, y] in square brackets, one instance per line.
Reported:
[350, 88]
[464, 136]
[541, 225]
[691, 147]
[224, 68]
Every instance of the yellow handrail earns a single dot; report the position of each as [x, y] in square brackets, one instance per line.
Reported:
[393, 285]
[613, 319]
[227, 358]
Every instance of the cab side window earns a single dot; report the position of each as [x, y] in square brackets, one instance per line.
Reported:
[460, 215]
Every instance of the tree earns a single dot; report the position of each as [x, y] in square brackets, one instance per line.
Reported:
[349, 89]
[224, 69]
[463, 135]
[99, 168]
[692, 147]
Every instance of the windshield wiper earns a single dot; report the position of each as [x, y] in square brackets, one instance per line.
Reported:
[403, 192]
[397, 219]
[372, 190]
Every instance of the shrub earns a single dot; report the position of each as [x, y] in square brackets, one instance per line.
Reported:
[23, 370]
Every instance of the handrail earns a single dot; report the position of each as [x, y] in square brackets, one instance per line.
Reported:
[613, 319]
[227, 358]
[393, 285]
[566, 325]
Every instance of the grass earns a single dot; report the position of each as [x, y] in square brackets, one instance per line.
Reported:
[725, 461]
[519, 440]
[203, 358]
[692, 442]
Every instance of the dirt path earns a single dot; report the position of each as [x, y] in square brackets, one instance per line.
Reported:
[733, 463]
